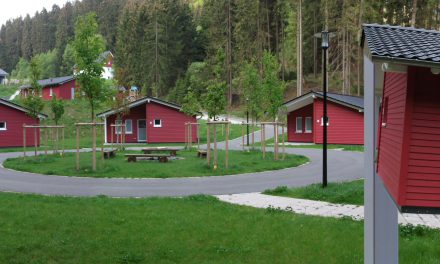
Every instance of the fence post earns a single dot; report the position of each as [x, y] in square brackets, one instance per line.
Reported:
[77, 147]
[24, 140]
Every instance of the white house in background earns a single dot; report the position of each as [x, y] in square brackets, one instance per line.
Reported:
[106, 58]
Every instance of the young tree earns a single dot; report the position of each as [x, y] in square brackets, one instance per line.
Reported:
[33, 101]
[214, 99]
[191, 105]
[57, 108]
[272, 87]
[88, 45]
[251, 84]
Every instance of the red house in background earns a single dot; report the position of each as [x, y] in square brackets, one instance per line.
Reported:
[150, 120]
[345, 119]
[62, 87]
[12, 118]
[406, 65]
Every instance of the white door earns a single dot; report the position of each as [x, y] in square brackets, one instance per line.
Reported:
[142, 130]
[72, 92]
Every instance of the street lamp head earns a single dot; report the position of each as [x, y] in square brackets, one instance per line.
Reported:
[325, 39]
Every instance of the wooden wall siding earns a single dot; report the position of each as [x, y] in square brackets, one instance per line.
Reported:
[62, 91]
[292, 136]
[13, 136]
[173, 124]
[135, 114]
[346, 125]
[391, 136]
[423, 184]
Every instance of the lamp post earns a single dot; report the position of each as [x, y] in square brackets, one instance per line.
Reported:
[247, 121]
[324, 46]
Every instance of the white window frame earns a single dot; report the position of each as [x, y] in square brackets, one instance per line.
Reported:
[3, 128]
[118, 129]
[322, 121]
[72, 92]
[311, 125]
[50, 92]
[131, 126]
[298, 118]
[160, 123]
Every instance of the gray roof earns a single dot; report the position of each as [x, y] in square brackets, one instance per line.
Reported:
[104, 56]
[347, 99]
[403, 44]
[51, 81]
[19, 107]
[355, 102]
[138, 102]
[3, 73]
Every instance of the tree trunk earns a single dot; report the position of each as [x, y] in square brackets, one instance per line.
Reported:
[414, 13]
[299, 73]
[359, 52]
[229, 58]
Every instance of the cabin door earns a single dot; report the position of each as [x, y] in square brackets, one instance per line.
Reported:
[142, 130]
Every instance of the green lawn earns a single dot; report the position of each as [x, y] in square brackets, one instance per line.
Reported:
[271, 141]
[189, 165]
[7, 90]
[196, 229]
[343, 193]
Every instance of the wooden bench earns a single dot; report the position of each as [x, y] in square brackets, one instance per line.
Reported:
[109, 153]
[172, 151]
[202, 153]
[160, 157]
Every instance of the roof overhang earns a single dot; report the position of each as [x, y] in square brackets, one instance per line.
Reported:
[138, 103]
[20, 108]
[308, 98]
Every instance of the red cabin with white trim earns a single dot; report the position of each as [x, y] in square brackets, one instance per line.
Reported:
[150, 120]
[12, 118]
[407, 75]
[345, 119]
[62, 87]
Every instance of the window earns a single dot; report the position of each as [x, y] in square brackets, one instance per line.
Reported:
[308, 125]
[2, 126]
[385, 112]
[322, 121]
[51, 92]
[128, 126]
[157, 123]
[72, 92]
[299, 125]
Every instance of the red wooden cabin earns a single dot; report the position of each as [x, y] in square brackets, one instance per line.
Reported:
[345, 115]
[12, 118]
[150, 120]
[62, 87]
[408, 68]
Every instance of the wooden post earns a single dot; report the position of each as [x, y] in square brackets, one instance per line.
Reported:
[190, 135]
[45, 141]
[284, 146]
[198, 136]
[253, 133]
[64, 143]
[227, 147]
[94, 147]
[24, 140]
[35, 140]
[57, 137]
[215, 146]
[242, 135]
[208, 142]
[103, 141]
[186, 135]
[275, 128]
[263, 139]
[77, 147]
[111, 131]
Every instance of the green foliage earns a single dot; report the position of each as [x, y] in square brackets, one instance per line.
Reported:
[252, 90]
[88, 45]
[47, 63]
[195, 80]
[272, 87]
[191, 104]
[68, 61]
[34, 104]
[21, 71]
[57, 107]
[33, 101]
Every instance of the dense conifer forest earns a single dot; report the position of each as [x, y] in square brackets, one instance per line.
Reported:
[169, 47]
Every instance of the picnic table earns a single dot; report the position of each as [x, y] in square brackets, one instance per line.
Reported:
[150, 150]
[109, 153]
[160, 157]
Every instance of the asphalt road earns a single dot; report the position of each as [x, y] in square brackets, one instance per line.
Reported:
[342, 166]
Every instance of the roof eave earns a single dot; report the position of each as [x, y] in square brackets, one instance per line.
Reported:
[409, 62]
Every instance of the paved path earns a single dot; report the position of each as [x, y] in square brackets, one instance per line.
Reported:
[342, 166]
[318, 208]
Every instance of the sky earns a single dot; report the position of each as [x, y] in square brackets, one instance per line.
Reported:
[15, 8]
